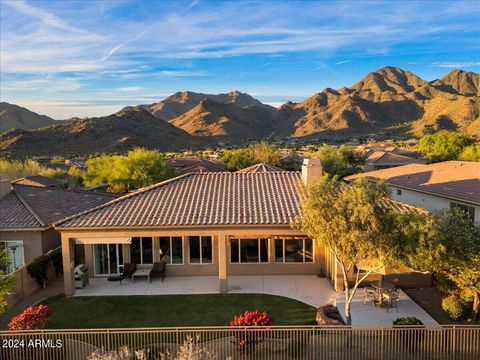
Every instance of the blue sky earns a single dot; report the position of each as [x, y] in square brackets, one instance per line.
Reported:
[91, 58]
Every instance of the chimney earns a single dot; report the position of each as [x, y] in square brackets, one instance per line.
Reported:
[5, 187]
[311, 170]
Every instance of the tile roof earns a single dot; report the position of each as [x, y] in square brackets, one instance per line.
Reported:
[206, 199]
[217, 198]
[36, 180]
[458, 180]
[194, 164]
[389, 158]
[33, 207]
[259, 168]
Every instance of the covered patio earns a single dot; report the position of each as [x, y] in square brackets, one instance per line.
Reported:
[306, 288]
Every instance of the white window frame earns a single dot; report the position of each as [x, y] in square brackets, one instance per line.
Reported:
[170, 249]
[259, 262]
[471, 215]
[201, 255]
[5, 246]
[283, 251]
[119, 266]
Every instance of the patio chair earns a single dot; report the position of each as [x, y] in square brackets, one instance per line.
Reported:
[393, 298]
[128, 270]
[369, 294]
[159, 269]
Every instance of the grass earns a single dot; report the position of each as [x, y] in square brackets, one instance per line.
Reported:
[172, 310]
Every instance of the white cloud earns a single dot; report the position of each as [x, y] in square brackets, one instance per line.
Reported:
[129, 89]
[457, 65]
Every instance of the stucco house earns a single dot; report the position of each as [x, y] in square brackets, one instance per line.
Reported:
[210, 224]
[27, 214]
[434, 186]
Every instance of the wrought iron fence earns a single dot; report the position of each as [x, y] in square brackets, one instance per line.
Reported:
[276, 342]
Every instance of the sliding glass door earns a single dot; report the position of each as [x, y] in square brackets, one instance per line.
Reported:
[108, 259]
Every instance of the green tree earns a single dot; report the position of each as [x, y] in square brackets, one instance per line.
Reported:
[16, 169]
[339, 161]
[470, 153]
[353, 222]
[448, 243]
[254, 154]
[140, 167]
[443, 146]
[6, 281]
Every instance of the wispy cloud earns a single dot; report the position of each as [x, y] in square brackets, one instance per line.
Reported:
[343, 62]
[118, 47]
[457, 65]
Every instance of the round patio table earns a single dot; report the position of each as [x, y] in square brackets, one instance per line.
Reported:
[382, 285]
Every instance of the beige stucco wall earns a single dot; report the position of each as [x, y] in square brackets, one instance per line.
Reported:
[187, 269]
[32, 242]
[427, 201]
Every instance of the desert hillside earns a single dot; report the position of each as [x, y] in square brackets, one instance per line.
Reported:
[17, 117]
[390, 100]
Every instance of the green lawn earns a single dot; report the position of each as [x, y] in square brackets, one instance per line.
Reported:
[172, 310]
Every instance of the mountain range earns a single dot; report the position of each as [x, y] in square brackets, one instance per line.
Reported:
[390, 100]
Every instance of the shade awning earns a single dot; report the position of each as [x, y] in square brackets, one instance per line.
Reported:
[103, 240]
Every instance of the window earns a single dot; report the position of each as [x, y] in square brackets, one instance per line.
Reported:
[141, 250]
[469, 210]
[399, 192]
[171, 249]
[15, 255]
[249, 250]
[201, 250]
[293, 250]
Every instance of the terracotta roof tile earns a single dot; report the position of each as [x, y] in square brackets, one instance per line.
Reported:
[28, 207]
[221, 198]
[458, 180]
[259, 168]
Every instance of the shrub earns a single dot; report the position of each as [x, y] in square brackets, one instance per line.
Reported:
[454, 306]
[246, 337]
[56, 257]
[33, 318]
[38, 269]
[408, 320]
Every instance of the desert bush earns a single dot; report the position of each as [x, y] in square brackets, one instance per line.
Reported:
[408, 320]
[124, 353]
[38, 269]
[454, 306]
[56, 257]
[246, 337]
[254, 154]
[33, 318]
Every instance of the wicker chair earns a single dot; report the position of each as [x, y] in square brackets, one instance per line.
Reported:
[370, 294]
[159, 269]
[128, 270]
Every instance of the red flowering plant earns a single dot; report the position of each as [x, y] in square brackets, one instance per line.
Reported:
[245, 327]
[33, 318]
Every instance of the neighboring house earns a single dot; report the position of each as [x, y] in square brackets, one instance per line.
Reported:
[377, 160]
[212, 224]
[193, 164]
[37, 180]
[435, 186]
[27, 213]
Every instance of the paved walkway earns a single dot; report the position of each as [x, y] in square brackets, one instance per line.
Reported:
[306, 288]
[54, 288]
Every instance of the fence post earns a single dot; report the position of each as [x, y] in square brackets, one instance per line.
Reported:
[382, 342]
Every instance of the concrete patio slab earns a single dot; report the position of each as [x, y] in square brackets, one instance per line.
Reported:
[369, 314]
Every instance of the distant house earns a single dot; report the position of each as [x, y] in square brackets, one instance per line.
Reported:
[194, 164]
[27, 213]
[377, 160]
[37, 180]
[435, 186]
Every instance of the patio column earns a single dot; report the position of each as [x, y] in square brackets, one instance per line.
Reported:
[126, 253]
[337, 277]
[222, 262]
[156, 249]
[68, 252]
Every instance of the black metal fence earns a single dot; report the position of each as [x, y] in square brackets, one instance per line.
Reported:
[276, 342]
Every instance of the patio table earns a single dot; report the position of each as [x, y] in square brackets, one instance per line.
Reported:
[142, 272]
[383, 289]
